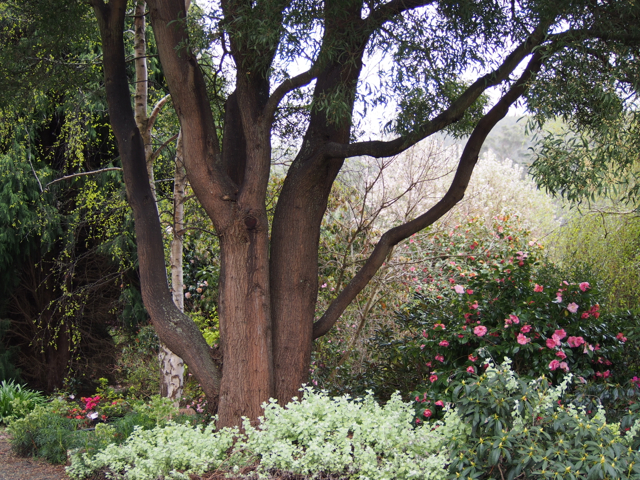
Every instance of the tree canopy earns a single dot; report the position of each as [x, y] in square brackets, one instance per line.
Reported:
[318, 75]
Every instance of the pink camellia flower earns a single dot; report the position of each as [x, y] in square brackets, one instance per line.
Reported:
[554, 365]
[523, 340]
[514, 319]
[584, 286]
[525, 328]
[561, 354]
[472, 358]
[427, 413]
[440, 358]
[606, 374]
[441, 325]
[474, 305]
[422, 346]
[459, 289]
[480, 330]
[187, 295]
[440, 403]
[425, 334]
[575, 341]
[621, 337]
[573, 307]
[585, 315]
[433, 378]
[560, 333]
[551, 343]
[471, 369]
[538, 288]
[564, 366]
[469, 291]
[444, 343]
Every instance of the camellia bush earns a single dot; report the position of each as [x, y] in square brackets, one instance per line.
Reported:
[491, 294]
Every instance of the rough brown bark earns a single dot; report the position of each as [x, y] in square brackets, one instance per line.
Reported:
[176, 330]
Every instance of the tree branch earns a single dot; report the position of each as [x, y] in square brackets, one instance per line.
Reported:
[448, 116]
[455, 193]
[156, 153]
[93, 172]
[285, 87]
[156, 111]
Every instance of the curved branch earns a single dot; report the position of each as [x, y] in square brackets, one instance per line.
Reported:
[285, 87]
[156, 111]
[156, 153]
[455, 193]
[93, 172]
[378, 148]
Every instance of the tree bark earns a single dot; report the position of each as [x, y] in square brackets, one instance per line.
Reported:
[171, 365]
[175, 329]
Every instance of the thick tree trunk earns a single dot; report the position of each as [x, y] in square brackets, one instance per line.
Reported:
[296, 226]
[245, 320]
[178, 332]
[171, 365]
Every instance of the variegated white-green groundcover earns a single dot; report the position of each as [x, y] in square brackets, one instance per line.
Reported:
[314, 435]
[365, 440]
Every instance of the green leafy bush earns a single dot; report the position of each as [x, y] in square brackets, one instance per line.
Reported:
[313, 436]
[519, 429]
[171, 451]
[44, 433]
[359, 438]
[495, 294]
[17, 401]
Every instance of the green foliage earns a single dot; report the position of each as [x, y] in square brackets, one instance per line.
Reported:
[519, 429]
[494, 297]
[137, 364]
[606, 244]
[312, 436]
[173, 451]
[354, 437]
[16, 401]
[44, 433]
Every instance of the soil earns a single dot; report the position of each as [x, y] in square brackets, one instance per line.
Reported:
[19, 468]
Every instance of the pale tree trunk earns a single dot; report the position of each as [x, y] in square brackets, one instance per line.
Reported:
[171, 365]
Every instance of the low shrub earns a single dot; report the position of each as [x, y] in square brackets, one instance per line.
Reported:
[170, 451]
[356, 438]
[44, 433]
[520, 429]
[17, 401]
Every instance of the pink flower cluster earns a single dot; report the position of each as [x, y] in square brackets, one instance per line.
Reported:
[91, 402]
[575, 342]
[555, 364]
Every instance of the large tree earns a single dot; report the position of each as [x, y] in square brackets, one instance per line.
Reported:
[299, 66]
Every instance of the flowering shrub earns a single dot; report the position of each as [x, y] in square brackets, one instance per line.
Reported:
[171, 451]
[494, 297]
